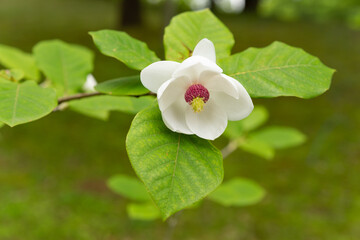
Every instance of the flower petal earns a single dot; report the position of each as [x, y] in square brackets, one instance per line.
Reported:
[210, 123]
[193, 66]
[215, 82]
[172, 90]
[89, 85]
[205, 48]
[174, 117]
[154, 75]
[236, 108]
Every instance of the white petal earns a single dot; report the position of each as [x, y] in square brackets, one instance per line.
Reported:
[236, 108]
[89, 85]
[172, 90]
[205, 48]
[174, 117]
[194, 66]
[215, 82]
[154, 75]
[210, 123]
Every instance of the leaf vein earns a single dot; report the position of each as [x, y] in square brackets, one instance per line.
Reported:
[272, 68]
[173, 176]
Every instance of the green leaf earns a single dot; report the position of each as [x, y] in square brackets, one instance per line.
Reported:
[132, 52]
[238, 192]
[1, 124]
[100, 106]
[177, 169]
[65, 65]
[25, 102]
[144, 211]
[11, 57]
[257, 118]
[280, 137]
[13, 75]
[278, 70]
[129, 187]
[122, 86]
[187, 29]
[257, 147]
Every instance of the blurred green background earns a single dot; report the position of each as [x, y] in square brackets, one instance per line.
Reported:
[53, 171]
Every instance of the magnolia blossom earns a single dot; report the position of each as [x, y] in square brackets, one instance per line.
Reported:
[194, 96]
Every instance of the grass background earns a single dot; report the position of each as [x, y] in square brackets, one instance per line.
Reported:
[53, 171]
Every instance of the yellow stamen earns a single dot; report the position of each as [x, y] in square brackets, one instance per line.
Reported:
[197, 104]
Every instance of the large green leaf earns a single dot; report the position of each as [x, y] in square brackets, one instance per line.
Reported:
[187, 29]
[278, 70]
[11, 57]
[238, 192]
[100, 106]
[143, 211]
[26, 102]
[122, 86]
[177, 169]
[129, 187]
[65, 65]
[257, 118]
[132, 52]
[1, 124]
[280, 137]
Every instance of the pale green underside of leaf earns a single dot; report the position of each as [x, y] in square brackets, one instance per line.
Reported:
[257, 118]
[177, 169]
[238, 192]
[187, 29]
[100, 106]
[257, 147]
[280, 137]
[65, 65]
[122, 86]
[132, 52]
[14, 58]
[129, 187]
[264, 141]
[143, 211]
[278, 70]
[26, 102]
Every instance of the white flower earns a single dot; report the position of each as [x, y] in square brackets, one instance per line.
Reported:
[89, 85]
[194, 96]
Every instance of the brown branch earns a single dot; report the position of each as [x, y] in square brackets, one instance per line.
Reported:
[228, 149]
[63, 100]
[232, 146]
[141, 95]
[93, 94]
[78, 96]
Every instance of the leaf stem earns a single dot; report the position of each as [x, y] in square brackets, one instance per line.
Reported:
[228, 149]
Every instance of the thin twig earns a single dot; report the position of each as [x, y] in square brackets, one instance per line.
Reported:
[228, 149]
[86, 95]
[60, 107]
[63, 100]
[78, 96]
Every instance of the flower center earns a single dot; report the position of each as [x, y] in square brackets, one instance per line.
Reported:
[196, 96]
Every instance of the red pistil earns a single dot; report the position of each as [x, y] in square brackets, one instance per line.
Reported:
[196, 90]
